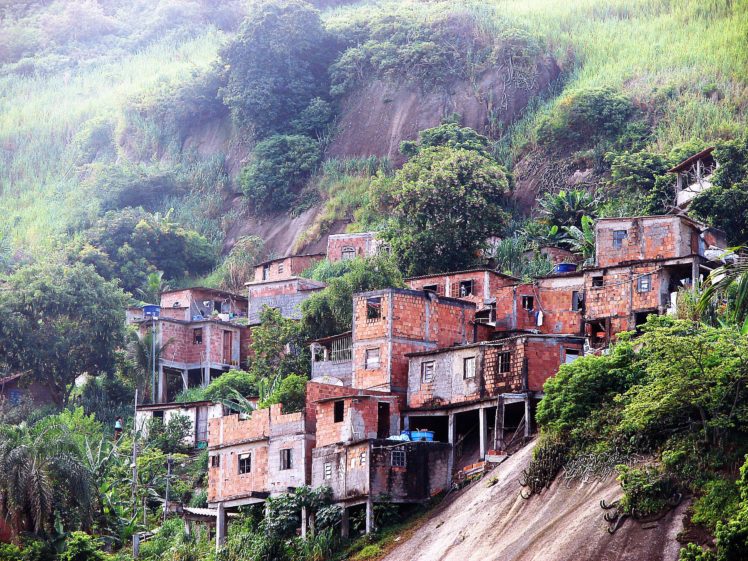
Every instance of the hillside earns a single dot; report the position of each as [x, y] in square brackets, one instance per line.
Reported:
[680, 63]
[489, 520]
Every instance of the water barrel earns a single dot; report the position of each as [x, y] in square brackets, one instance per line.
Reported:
[422, 435]
[565, 268]
[151, 311]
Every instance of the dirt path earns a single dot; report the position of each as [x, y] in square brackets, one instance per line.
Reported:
[563, 524]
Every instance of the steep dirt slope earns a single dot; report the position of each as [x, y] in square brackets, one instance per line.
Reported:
[377, 117]
[564, 524]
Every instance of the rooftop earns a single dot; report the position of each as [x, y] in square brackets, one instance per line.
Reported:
[205, 288]
[688, 162]
[447, 274]
[499, 342]
[269, 261]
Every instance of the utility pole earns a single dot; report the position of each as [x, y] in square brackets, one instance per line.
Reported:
[153, 359]
[134, 464]
[169, 462]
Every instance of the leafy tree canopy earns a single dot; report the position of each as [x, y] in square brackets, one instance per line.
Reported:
[130, 244]
[329, 311]
[444, 204]
[450, 135]
[276, 65]
[60, 322]
[281, 164]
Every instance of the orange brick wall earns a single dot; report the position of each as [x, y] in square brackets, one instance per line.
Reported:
[363, 243]
[360, 420]
[555, 298]
[291, 266]
[485, 284]
[618, 297]
[509, 313]
[544, 357]
[651, 237]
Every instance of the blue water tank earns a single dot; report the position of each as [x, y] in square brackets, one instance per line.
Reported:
[151, 311]
[422, 435]
[565, 268]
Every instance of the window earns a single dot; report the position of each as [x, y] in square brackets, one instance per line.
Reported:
[505, 360]
[570, 355]
[466, 288]
[373, 308]
[265, 272]
[286, 458]
[644, 283]
[158, 415]
[328, 470]
[215, 461]
[528, 303]
[15, 396]
[362, 459]
[372, 359]
[618, 237]
[427, 371]
[398, 458]
[468, 368]
[338, 411]
[245, 463]
[197, 336]
[280, 268]
[576, 301]
[431, 288]
[348, 253]
[597, 282]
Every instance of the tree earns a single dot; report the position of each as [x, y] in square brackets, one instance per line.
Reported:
[142, 350]
[290, 393]
[276, 65]
[646, 173]
[278, 347]
[582, 240]
[153, 287]
[329, 311]
[60, 322]
[41, 477]
[239, 266]
[444, 204]
[567, 208]
[281, 164]
[451, 135]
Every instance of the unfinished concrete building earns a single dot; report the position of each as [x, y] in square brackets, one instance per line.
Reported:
[341, 247]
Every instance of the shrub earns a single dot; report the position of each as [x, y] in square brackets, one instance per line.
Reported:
[82, 547]
[170, 436]
[226, 384]
[281, 164]
[584, 117]
[290, 393]
[646, 490]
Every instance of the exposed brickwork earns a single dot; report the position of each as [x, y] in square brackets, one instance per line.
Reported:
[363, 244]
[360, 418]
[409, 321]
[513, 365]
[286, 295]
[477, 286]
[187, 303]
[285, 267]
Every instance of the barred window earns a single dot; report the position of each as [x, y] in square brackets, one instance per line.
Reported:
[328, 470]
[245, 463]
[372, 359]
[505, 360]
[468, 368]
[427, 371]
[398, 458]
[644, 283]
[618, 237]
[286, 459]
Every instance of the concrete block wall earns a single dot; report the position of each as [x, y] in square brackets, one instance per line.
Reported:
[345, 469]
[510, 316]
[425, 474]
[224, 480]
[555, 297]
[288, 304]
[449, 384]
[485, 283]
[316, 391]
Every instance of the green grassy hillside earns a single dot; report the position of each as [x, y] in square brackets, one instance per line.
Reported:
[683, 63]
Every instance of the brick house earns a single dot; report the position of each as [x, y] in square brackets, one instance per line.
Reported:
[389, 323]
[285, 295]
[456, 390]
[349, 246]
[476, 285]
[199, 414]
[284, 268]
[201, 335]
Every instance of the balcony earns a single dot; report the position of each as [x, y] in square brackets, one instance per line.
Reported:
[333, 357]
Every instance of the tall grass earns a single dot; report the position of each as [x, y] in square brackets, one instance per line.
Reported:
[39, 117]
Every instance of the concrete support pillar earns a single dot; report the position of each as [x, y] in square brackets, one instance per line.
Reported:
[344, 524]
[483, 432]
[312, 523]
[369, 516]
[220, 526]
[303, 521]
[206, 376]
[135, 546]
[406, 423]
[694, 273]
[161, 387]
[187, 527]
[498, 431]
[185, 379]
[528, 416]
[452, 439]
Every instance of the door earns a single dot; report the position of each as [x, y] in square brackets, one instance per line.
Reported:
[383, 420]
[227, 344]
